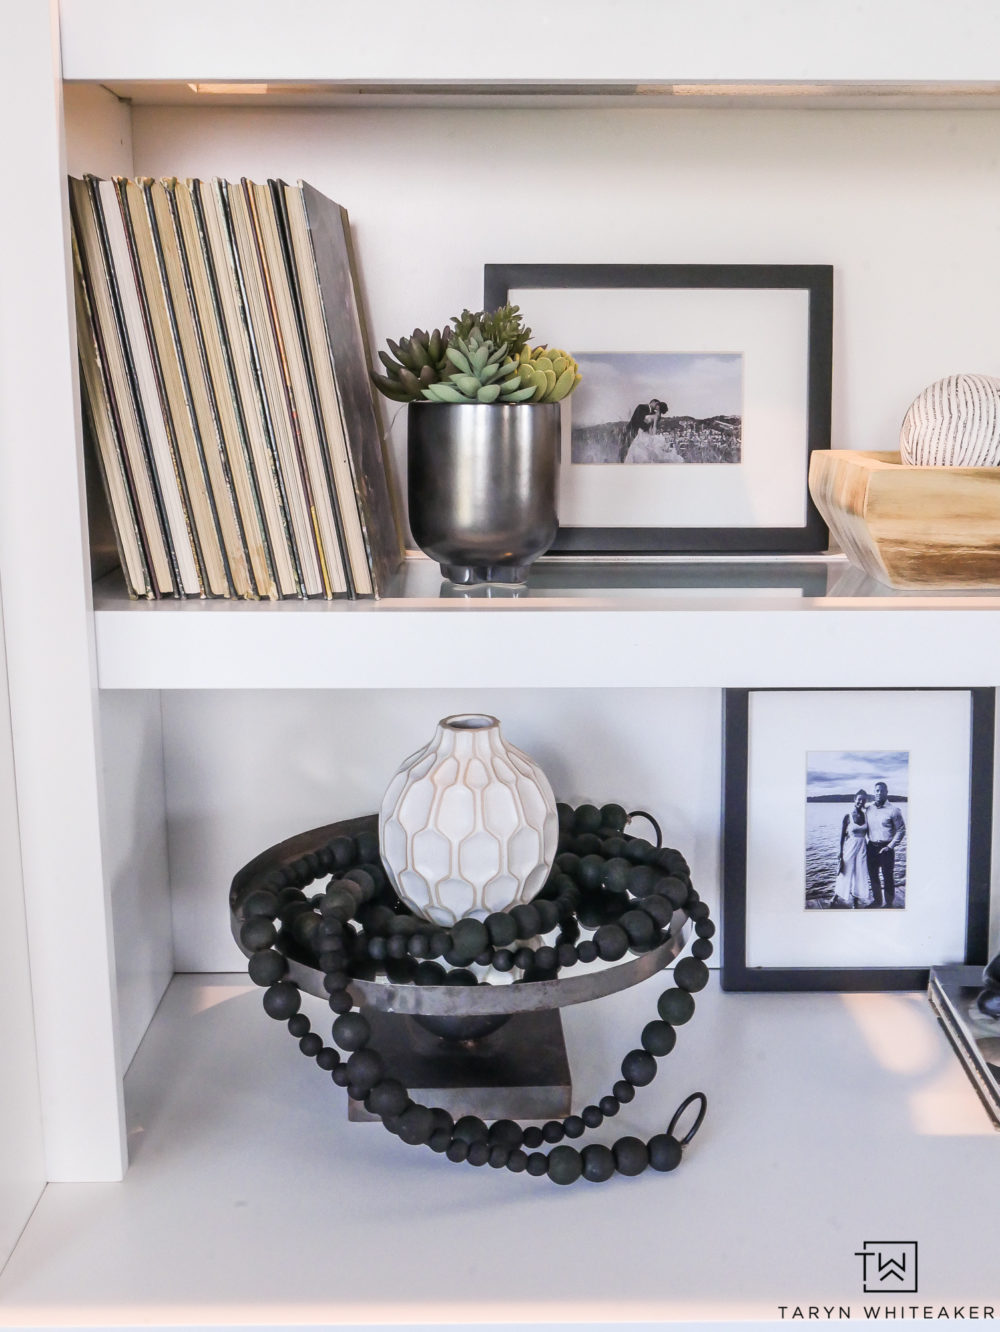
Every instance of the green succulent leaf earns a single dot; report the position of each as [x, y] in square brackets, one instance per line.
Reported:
[444, 393]
[459, 360]
[488, 393]
[564, 385]
[518, 395]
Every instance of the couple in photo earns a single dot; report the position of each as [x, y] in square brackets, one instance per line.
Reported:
[869, 835]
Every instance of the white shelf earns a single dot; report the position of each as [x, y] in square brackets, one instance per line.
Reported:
[688, 41]
[251, 1199]
[682, 623]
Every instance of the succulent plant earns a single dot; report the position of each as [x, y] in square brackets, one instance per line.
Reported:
[552, 373]
[497, 326]
[416, 362]
[481, 371]
[484, 358]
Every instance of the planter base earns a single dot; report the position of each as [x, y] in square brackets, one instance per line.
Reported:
[464, 574]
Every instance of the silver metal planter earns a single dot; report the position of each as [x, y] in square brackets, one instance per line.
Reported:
[482, 484]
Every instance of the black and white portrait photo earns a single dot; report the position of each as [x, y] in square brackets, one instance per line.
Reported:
[856, 816]
[658, 407]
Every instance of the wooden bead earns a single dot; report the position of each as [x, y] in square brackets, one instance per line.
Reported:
[261, 902]
[311, 1044]
[499, 1156]
[416, 1125]
[639, 1068]
[501, 929]
[623, 1092]
[664, 1152]
[364, 1069]
[538, 1164]
[598, 1163]
[533, 1136]
[506, 1132]
[675, 1006]
[587, 819]
[659, 1038]
[702, 949]
[257, 934]
[592, 1116]
[573, 1126]
[611, 942]
[615, 875]
[564, 1165]
[328, 1058]
[608, 1106]
[351, 1031]
[552, 1131]
[691, 974]
[470, 1128]
[639, 927]
[517, 1161]
[266, 968]
[479, 1152]
[282, 1000]
[613, 816]
[298, 1025]
[631, 1156]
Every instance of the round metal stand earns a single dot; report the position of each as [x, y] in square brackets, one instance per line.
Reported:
[519, 1070]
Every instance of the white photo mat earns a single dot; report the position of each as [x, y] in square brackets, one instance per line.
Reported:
[934, 728]
[769, 327]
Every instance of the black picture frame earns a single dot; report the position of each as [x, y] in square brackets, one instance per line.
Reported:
[816, 279]
[736, 975]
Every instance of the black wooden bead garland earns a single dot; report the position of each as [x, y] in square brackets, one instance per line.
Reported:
[621, 886]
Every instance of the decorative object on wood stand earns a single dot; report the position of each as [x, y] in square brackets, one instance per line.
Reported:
[468, 824]
[483, 442]
[340, 942]
[929, 515]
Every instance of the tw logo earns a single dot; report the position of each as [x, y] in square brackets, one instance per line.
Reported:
[889, 1266]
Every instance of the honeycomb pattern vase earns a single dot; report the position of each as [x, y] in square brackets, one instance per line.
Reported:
[468, 824]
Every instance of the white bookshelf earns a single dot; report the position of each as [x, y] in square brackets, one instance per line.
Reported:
[159, 747]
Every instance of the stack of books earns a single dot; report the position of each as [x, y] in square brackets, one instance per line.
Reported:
[975, 1037]
[225, 390]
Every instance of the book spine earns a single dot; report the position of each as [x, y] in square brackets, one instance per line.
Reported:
[244, 332]
[289, 445]
[166, 467]
[326, 479]
[107, 447]
[172, 382]
[194, 362]
[116, 350]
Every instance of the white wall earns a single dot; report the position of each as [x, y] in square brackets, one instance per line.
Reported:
[904, 204]
[245, 770]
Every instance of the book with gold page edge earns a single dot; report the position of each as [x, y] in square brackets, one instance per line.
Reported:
[108, 331]
[209, 199]
[328, 407]
[107, 449]
[194, 363]
[289, 472]
[166, 468]
[222, 383]
[291, 359]
[178, 412]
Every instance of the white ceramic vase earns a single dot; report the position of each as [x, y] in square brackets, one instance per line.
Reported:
[468, 824]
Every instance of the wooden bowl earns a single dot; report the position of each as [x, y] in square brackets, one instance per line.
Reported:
[911, 526]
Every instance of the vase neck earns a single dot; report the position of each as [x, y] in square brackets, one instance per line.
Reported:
[467, 733]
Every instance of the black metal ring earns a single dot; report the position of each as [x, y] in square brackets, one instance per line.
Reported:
[699, 1120]
[641, 814]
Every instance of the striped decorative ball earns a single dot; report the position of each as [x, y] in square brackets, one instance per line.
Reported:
[955, 422]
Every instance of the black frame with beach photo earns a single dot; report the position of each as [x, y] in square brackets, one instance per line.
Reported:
[580, 534]
[971, 898]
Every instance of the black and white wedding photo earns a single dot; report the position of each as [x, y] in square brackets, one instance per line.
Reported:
[856, 833]
[658, 407]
